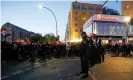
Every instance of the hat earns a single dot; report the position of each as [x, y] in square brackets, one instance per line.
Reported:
[84, 33]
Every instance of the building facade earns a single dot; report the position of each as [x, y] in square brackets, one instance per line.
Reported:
[109, 27]
[127, 8]
[78, 15]
[16, 34]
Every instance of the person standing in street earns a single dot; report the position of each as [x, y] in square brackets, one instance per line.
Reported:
[101, 51]
[84, 54]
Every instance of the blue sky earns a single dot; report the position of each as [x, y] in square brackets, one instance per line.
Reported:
[27, 15]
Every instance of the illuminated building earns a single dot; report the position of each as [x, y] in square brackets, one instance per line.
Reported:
[78, 15]
[127, 10]
[107, 27]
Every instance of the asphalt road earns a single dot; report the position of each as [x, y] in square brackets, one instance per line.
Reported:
[55, 69]
[114, 68]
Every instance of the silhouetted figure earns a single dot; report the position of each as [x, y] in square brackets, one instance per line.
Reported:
[84, 54]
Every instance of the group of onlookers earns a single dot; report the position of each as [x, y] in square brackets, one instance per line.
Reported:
[119, 49]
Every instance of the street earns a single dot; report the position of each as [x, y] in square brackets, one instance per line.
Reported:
[55, 69]
[114, 68]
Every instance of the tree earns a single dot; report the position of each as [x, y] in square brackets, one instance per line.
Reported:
[36, 39]
[108, 11]
[50, 38]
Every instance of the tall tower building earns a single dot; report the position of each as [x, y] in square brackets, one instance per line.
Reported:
[78, 15]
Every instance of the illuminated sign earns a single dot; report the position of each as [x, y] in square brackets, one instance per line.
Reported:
[101, 17]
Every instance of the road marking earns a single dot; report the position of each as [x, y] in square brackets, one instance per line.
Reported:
[28, 68]
[5, 77]
[20, 71]
[69, 78]
[16, 72]
[73, 59]
[92, 76]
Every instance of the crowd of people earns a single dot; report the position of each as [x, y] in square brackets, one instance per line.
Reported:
[90, 51]
[119, 49]
[31, 52]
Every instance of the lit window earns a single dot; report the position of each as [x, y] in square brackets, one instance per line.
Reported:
[76, 30]
[76, 24]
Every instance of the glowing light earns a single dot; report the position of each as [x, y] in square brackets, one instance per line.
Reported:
[106, 41]
[76, 40]
[127, 19]
[120, 41]
[40, 6]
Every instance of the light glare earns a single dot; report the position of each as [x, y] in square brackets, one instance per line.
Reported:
[127, 19]
[40, 6]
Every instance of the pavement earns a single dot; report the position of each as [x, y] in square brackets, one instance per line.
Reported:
[55, 69]
[114, 68]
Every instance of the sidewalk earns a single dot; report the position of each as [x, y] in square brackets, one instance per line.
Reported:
[114, 68]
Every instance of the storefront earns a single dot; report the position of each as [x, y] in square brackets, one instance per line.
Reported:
[130, 34]
[107, 27]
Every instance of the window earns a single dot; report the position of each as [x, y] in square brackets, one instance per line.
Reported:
[93, 8]
[85, 7]
[91, 13]
[81, 7]
[83, 13]
[73, 6]
[77, 7]
[89, 8]
[76, 12]
[76, 30]
[76, 18]
[76, 24]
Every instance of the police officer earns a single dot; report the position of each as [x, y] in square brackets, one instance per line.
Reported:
[84, 54]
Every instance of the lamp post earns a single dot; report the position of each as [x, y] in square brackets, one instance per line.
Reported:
[127, 20]
[41, 6]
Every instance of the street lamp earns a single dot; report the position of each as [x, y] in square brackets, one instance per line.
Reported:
[127, 20]
[41, 6]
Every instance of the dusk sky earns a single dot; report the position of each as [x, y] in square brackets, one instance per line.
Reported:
[27, 15]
